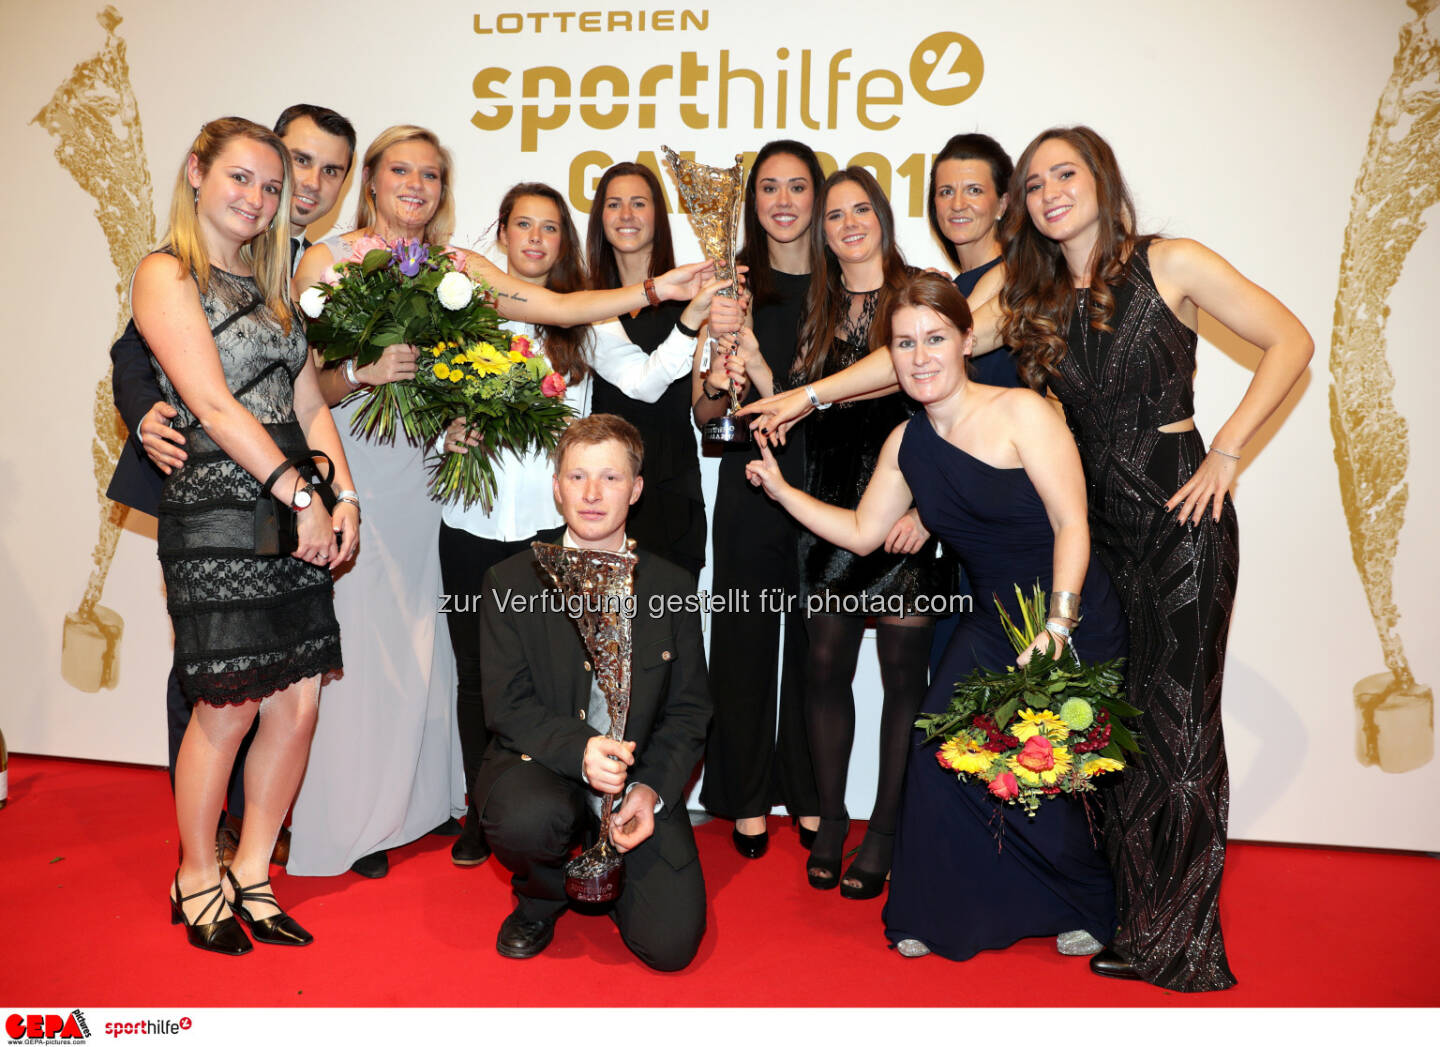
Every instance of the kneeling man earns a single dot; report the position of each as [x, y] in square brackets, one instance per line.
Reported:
[549, 766]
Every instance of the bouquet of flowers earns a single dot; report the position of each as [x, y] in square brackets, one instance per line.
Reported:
[388, 294]
[1034, 731]
[408, 292]
[509, 398]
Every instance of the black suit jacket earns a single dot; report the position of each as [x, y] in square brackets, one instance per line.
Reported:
[136, 481]
[535, 677]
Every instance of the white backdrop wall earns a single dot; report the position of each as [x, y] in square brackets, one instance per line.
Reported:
[1243, 125]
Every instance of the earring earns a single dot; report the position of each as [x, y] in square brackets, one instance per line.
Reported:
[195, 199]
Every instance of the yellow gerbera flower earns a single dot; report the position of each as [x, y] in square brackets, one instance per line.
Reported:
[1100, 765]
[457, 375]
[442, 371]
[1044, 722]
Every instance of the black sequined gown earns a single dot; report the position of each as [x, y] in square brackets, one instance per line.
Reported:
[842, 447]
[245, 625]
[1166, 816]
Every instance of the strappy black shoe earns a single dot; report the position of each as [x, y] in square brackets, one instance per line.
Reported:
[280, 929]
[222, 936]
[860, 882]
[822, 869]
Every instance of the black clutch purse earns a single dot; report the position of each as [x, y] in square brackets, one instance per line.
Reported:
[277, 530]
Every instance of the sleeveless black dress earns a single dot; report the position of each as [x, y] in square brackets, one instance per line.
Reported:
[953, 885]
[842, 446]
[1166, 817]
[245, 625]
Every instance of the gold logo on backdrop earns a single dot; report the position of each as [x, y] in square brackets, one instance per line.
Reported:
[946, 68]
[807, 90]
[95, 117]
[1399, 180]
[665, 20]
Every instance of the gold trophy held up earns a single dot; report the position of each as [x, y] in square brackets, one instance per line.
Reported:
[712, 196]
[597, 588]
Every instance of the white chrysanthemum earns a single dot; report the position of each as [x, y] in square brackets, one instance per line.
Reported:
[455, 291]
[312, 302]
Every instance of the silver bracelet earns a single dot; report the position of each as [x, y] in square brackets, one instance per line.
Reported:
[815, 399]
[1059, 628]
[1065, 605]
[349, 496]
[349, 373]
[1227, 454]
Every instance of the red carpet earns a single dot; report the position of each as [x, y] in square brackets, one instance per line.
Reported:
[87, 852]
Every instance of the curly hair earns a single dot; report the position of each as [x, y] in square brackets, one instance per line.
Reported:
[1039, 297]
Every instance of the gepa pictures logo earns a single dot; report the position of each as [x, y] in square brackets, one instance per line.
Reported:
[47, 1028]
[803, 89]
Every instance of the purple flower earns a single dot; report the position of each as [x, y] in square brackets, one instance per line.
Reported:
[410, 255]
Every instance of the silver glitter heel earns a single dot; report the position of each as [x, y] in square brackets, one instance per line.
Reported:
[1077, 943]
[913, 947]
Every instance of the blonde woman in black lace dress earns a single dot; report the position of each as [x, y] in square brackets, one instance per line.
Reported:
[253, 634]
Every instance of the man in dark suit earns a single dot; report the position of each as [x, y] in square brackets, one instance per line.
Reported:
[322, 147]
[548, 764]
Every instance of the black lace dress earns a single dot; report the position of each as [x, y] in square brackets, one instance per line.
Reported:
[1165, 823]
[842, 446]
[245, 625]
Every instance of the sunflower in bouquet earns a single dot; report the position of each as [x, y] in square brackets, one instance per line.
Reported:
[509, 398]
[385, 294]
[1031, 732]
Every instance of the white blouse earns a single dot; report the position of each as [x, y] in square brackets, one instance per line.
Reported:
[524, 498]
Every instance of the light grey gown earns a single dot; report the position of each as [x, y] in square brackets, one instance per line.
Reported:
[385, 763]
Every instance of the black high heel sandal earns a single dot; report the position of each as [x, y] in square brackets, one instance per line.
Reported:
[823, 867]
[807, 836]
[280, 929]
[222, 936]
[868, 883]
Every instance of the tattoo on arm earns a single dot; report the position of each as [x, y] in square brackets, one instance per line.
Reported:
[510, 295]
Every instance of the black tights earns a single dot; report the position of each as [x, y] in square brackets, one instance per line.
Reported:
[903, 646]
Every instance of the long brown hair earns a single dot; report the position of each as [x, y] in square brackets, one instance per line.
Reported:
[269, 252]
[604, 272]
[825, 302]
[565, 347]
[1038, 300]
[756, 252]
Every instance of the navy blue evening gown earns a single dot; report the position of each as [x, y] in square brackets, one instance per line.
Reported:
[961, 882]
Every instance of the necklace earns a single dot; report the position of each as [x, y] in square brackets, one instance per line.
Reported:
[1082, 311]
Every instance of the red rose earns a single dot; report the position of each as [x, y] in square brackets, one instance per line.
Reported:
[1005, 786]
[1038, 754]
[553, 385]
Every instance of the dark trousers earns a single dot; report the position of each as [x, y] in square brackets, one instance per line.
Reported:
[533, 818]
[177, 720]
[464, 559]
[750, 765]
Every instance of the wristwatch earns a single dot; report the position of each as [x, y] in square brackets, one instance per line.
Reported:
[304, 495]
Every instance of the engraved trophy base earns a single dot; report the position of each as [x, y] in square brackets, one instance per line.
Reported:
[1394, 726]
[725, 431]
[596, 875]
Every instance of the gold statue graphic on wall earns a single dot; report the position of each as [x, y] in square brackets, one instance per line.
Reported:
[96, 121]
[1399, 180]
